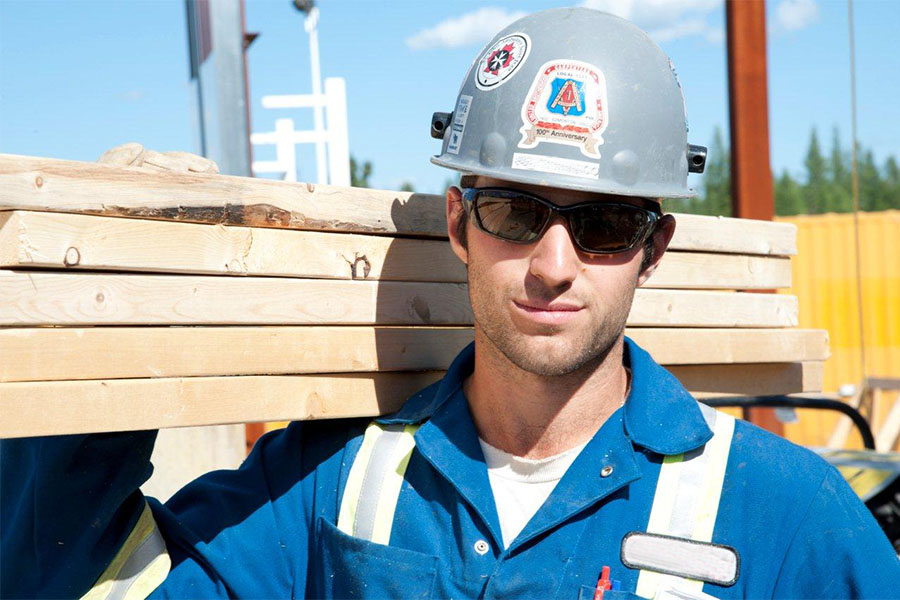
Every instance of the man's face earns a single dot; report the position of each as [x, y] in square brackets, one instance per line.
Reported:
[548, 307]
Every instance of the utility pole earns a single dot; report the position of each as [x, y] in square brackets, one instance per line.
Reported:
[752, 194]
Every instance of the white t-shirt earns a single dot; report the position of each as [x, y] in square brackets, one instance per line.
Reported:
[522, 485]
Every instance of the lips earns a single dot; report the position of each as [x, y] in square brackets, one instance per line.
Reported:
[547, 313]
[532, 306]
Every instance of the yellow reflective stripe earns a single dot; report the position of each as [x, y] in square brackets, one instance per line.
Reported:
[149, 578]
[719, 448]
[393, 481]
[661, 516]
[350, 500]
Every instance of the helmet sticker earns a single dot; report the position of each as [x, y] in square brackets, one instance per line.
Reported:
[501, 60]
[559, 166]
[566, 105]
[459, 123]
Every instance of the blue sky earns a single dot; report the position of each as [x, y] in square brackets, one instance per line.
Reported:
[77, 77]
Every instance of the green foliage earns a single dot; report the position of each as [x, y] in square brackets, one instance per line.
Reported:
[825, 186]
[359, 174]
[407, 186]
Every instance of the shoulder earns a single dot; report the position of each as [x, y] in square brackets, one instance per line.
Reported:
[760, 454]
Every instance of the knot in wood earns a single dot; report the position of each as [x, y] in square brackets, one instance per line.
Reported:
[39, 181]
[73, 257]
[354, 266]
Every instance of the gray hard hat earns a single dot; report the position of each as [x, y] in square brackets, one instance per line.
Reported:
[572, 98]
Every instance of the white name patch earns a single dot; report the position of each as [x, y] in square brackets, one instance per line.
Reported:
[713, 563]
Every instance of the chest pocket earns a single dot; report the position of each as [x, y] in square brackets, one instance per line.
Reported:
[356, 558]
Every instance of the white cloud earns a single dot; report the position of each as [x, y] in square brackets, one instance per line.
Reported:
[791, 15]
[471, 28]
[666, 20]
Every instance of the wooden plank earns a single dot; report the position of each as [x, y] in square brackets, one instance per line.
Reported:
[766, 379]
[701, 270]
[133, 404]
[45, 184]
[741, 236]
[59, 407]
[68, 186]
[51, 354]
[90, 242]
[48, 298]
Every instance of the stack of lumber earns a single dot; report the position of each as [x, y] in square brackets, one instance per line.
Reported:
[134, 299]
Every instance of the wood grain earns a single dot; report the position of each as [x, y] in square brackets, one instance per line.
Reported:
[89, 242]
[51, 354]
[32, 298]
[45, 184]
[64, 407]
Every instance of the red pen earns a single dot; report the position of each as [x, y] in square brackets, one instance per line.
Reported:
[603, 583]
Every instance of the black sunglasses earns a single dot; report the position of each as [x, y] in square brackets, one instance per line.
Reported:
[596, 227]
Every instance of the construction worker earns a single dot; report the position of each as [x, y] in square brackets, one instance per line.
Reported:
[555, 459]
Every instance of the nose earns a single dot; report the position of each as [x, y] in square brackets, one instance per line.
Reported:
[554, 259]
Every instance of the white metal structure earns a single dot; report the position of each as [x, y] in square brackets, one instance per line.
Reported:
[336, 169]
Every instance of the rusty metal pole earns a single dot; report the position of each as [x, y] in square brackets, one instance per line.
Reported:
[752, 194]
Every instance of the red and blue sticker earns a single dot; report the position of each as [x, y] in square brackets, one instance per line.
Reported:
[566, 105]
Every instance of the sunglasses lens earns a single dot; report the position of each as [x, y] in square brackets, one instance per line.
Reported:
[511, 216]
[608, 228]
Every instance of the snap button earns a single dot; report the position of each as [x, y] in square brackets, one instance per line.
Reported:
[482, 547]
[606, 471]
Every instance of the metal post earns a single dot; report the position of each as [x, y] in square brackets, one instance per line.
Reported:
[311, 24]
[338, 139]
[752, 194]
[228, 53]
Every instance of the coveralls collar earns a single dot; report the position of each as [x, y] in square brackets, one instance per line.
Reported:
[659, 413]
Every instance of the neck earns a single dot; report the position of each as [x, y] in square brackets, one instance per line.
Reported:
[535, 416]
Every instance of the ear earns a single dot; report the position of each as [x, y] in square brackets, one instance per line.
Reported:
[659, 241]
[456, 212]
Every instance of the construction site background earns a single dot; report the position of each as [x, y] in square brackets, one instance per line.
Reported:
[826, 283]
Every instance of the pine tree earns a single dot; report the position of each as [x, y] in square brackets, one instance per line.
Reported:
[816, 189]
[788, 195]
[892, 182]
[359, 174]
[717, 180]
[839, 195]
[871, 196]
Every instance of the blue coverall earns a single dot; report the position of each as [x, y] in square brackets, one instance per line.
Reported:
[267, 530]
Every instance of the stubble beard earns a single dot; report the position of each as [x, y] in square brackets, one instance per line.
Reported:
[556, 351]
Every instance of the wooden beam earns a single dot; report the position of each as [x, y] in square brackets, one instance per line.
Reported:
[61, 407]
[34, 298]
[69, 186]
[64, 407]
[750, 380]
[43, 184]
[88, 242]
[740, 236]
[51, 354]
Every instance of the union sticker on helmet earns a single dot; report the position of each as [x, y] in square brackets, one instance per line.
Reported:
[500, 61]
[566, 105]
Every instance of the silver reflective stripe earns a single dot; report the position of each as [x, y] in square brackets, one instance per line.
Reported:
[140, 565]
[150, 549]
[379, 465]
[687, 496]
